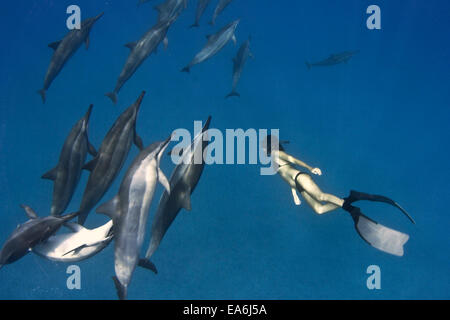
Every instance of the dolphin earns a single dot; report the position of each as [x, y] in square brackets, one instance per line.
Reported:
[183, 181]
[65, 48]
[333, 59]
[110, 158]
[77, 245]
[29, 234]
[129, 211]
[140, 50]
[170, 9]
[67, 172]
[201, 7]
[219, 8]
[238, 65]
[215, 43]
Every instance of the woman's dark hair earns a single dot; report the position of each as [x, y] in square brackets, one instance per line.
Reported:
[268, 144]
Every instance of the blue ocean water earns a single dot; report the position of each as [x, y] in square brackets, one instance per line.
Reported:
[377, 124]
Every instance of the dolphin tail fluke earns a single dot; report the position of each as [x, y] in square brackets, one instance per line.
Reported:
[233, 94]
[186, 69]
[42, 93]
[147, 264]
[121, 289]
[308, 65]
[112, 96]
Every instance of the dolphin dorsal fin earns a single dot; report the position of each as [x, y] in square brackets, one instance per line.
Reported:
[91, 164]
[137, 140]
[110, 208]
[54, 45]
[30, 212]
[185, 200]
[131, 45]
[51, 175]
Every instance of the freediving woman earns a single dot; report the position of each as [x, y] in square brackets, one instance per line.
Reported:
[377, 235]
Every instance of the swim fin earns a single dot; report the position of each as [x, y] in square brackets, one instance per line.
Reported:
[357, 196]
[378, 236]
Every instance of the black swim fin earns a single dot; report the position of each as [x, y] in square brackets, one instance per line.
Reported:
[378, 236]
[357, 196]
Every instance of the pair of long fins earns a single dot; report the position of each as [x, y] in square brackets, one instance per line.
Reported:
[378, 236]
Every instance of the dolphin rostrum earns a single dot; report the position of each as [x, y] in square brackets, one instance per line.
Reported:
[238, 65]
[201, 7]
[183, 181]
[140, 50]
[219, 8]
[110, 158]
[129, 211]
[77, 245]
[333, 59]
[29, 234]
[65, 48]
[215, 43]
[67, 173]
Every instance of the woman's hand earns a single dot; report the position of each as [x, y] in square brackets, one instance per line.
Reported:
[316, 171]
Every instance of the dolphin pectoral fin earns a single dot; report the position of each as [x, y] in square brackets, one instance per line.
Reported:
[54, 45]
[185, 200]
[251, 55]
[233, 38]
[163, 180]
[76, 250]
[75, 227]
[147, 264]
[87, 42]
[91, 149]
[50, 175]
[30, 212]
[121, 289]
[138, 141]
[159, 8]
[42, 93]
[112, 96]
[110, 208]
[166, 43]
[91, 164]
[131, 45]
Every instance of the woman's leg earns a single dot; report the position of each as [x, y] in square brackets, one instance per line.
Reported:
[314, 196]
[317, 206]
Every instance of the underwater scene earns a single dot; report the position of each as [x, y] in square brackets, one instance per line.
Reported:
[224, 150]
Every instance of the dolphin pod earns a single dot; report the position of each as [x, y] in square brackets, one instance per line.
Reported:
[129, 211]
[64, 49]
